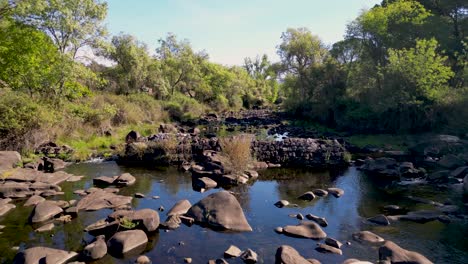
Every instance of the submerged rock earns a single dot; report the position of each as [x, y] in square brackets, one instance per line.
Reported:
[288, 255]
[37, 255]
[305, 229]
[395, 254]
[220, 210]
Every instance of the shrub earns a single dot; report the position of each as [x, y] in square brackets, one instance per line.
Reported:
[183, 108]
[22, 120]
[236, 152]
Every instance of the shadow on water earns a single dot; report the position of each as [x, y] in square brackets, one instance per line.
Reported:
[442, 243]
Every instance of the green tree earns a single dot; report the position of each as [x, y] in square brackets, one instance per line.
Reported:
[261, 70]
[133, 62]
[72, 24]
[300, 51]
[180, 65]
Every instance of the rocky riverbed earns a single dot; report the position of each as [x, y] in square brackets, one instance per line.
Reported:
[173, 199]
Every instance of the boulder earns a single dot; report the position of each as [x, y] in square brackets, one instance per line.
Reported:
[220, 210]
[180, 208]
[205, 183]
[450, 161]
[132, 136]
[37, 255]
[104, 180]
[51, 165]
[439, 146]
[439, 176]
[125, 179]
[97, 249]
[337, 192]
[5, 208]
[249, 256]
[395, 254]
[308, 196]
[288, 255]
[305, 229]
[465, 185]
[34, 200]
[232, 252]
[379, 219]
[143, 260]
[387, 167]
[319, 220]
[320, 192]
[333, 242]
[45, 228]
[281, 203]
[148, 218]
[459, 172]
[168, 128]
[124, 242]
[407, 170]
[44, 211]
[421, 216]
[9, 160]
[367, 236]
[101, 199]
[323, 248]
[172, 222]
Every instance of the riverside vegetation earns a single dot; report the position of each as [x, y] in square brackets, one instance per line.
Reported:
[401, 68]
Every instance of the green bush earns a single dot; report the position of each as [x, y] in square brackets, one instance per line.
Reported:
[21, 120]
[183, 108]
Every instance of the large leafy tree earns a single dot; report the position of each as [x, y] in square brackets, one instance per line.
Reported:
[133, 62]
[264, 74]
[300, 51]
[180, 65]
[72, 24]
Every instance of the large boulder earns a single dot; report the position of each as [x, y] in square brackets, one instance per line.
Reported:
[8, 160]
[34, 200]
[288, 255]
[126, 241]
[305, 229]
[44, 211]
[101, 199]
[5, 208]
[220, 210]
[51, 165]
[38, 255]
[147, 218]
[395, 254]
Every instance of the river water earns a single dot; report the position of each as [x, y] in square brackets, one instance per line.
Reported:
[363, 198]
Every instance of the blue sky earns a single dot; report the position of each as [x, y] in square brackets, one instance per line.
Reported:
[232, 30]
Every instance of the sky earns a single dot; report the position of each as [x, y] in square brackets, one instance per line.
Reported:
[230, 30]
